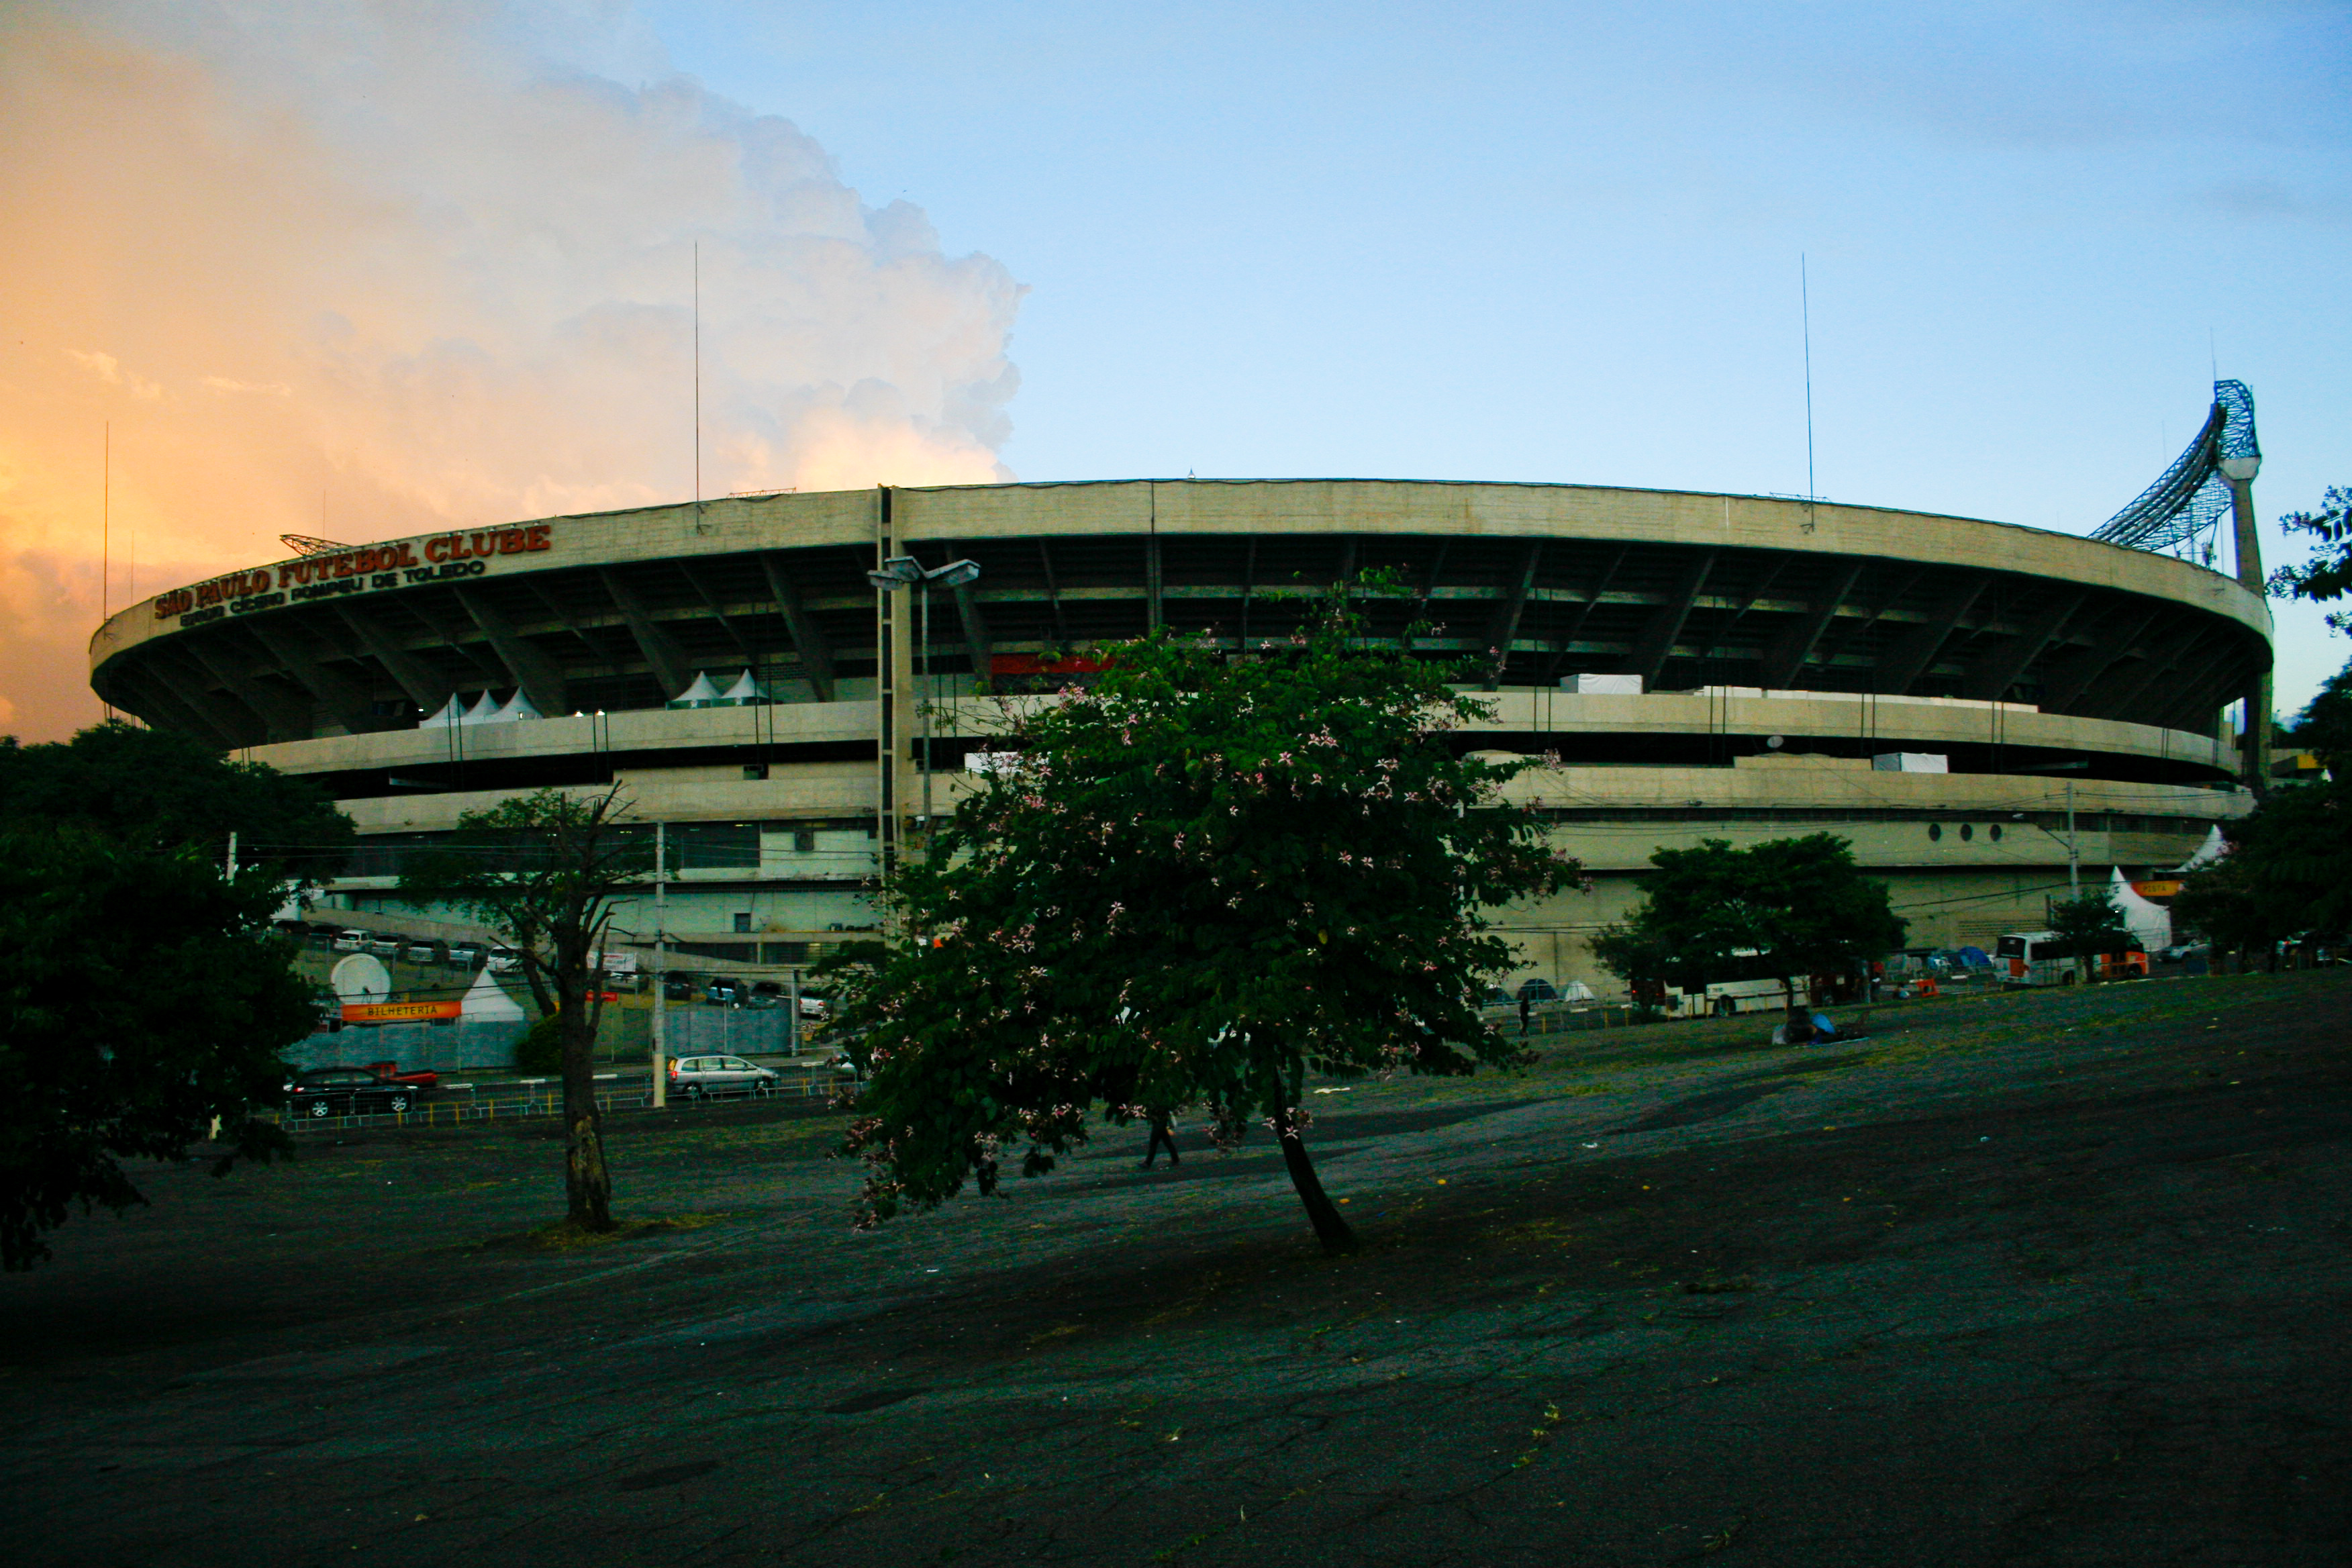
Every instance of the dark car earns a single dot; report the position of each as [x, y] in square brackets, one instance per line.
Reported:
[725, 990]
[765, 995]
[679, 986]
[349, 1092]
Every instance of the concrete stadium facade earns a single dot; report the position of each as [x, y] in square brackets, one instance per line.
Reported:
[1780, 646]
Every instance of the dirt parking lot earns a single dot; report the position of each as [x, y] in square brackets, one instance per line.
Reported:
[2048, 1278]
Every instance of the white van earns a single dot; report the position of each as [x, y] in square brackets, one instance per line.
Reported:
[350, 942]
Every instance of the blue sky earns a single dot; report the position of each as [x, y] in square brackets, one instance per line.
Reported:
[1561, 243]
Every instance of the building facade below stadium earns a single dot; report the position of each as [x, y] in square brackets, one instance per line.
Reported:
[1947, 694]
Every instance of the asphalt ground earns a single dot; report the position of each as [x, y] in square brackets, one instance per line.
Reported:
[2057, 1277]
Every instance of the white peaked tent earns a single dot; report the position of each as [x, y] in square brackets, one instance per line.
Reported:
[745, 693]
[486, 1003]
[2212, 849]
[701, 694]
[2152, 923]
[452, 713]
[485, 709]
[513, 708]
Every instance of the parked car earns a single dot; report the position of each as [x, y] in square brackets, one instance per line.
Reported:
[679, 986]
[2179, 950]
[347, 940]
[466, 954]
[813, 1006]
[725, 991]
[423, 950]
[386, 943]
[504, 960]
[701, 1077]
[349, 1092]
[766, 995]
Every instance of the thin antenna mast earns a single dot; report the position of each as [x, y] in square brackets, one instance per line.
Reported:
[697, 375]
[106, 531]
[1805, 310]
[106, 523]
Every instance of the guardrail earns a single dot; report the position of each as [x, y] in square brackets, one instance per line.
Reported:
[543, 1097]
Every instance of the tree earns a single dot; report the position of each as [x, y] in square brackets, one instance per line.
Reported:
[2289, 869]
[543, 870]
[155, 790]
[141, 1001]
[2328, 575]
[1206, 875]
[2087, 926]
[1778, 910]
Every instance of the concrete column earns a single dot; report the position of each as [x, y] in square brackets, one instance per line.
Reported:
[2248, 539]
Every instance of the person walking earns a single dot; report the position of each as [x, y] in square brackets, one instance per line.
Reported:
[1162, 1135]
[1526, 1013]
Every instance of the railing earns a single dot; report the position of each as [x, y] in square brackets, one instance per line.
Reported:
[543, 1097]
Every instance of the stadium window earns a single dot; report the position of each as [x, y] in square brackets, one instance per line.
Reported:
[743, 923]
[1966, 832]
[1935, 833]
[1994, 831]
[755, 770]
[804, 841]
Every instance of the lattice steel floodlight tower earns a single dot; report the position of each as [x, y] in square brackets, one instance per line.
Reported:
[2214, 476]
[2189, 498]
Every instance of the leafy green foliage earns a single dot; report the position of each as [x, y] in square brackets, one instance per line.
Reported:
[155, 790]
[2328, 575]
[540, 1048]
[2289, 870]
[543, 870]
[1782, 909]
[141, 999]
[1207, 873]
[2088, 925]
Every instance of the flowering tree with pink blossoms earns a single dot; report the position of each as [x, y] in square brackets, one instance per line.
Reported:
[1203, 877]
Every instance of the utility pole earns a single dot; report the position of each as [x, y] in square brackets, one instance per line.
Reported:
[228, 866]
[661, 965]
[2074, 848]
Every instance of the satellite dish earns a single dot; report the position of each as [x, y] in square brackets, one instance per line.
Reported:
[361, 977]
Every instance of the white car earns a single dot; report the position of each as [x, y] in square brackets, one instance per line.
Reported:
[504, 960]
[698, 1078]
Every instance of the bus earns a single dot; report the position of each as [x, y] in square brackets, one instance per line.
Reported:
[2031, 958]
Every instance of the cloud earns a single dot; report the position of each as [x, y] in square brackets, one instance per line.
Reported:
[383, 268]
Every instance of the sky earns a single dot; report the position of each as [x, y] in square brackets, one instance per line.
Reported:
[357, 269]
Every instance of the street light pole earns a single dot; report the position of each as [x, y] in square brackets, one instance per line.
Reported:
[906, 571]
[661, 965]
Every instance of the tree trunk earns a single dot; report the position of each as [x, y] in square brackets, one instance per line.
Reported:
[1330, 1228]
[587, 1183]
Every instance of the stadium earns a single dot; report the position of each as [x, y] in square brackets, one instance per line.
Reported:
[1971, 703]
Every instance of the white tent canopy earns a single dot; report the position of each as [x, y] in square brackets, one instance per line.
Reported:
[451, 714]
[745, 693]
[701, 694]
[517, 707]
[2152, 923]
[485, 709]
[486, 1003]
[2212, 849]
